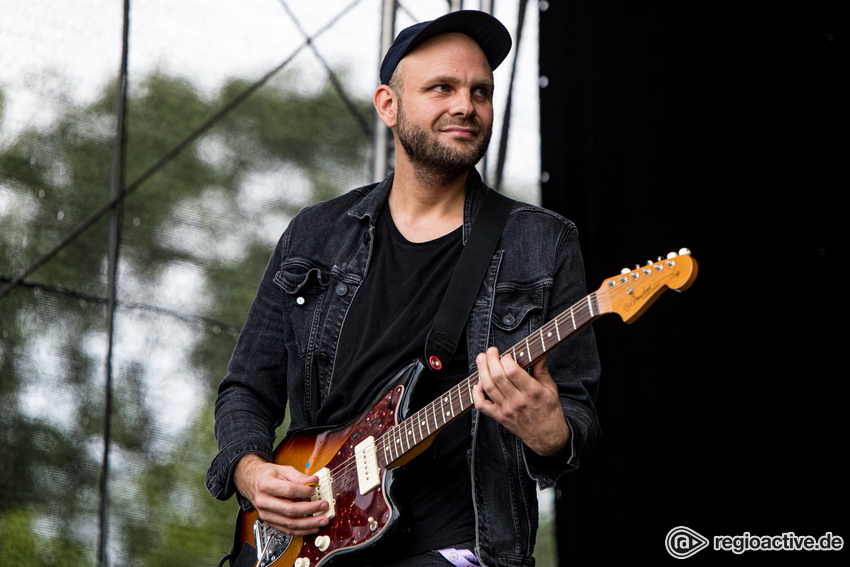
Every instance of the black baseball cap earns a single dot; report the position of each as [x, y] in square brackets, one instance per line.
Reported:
[487, 31]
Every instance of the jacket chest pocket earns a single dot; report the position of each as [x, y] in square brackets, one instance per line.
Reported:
[304, 289]
[518, 309]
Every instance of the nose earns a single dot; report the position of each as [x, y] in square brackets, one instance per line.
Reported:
[462, 104]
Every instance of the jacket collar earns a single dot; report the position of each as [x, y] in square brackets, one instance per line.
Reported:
[376, 195]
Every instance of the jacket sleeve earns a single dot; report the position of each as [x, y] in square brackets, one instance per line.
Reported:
[574, 366]
[251, 401]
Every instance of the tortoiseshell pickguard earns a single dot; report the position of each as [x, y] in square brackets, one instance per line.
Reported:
[359, 518]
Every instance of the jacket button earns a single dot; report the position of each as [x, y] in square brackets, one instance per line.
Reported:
[323, 358]
[509, 319]
[341, 289]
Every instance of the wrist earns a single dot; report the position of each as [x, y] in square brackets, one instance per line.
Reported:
[244, 473]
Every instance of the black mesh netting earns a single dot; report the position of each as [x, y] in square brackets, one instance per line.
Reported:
[233, 122]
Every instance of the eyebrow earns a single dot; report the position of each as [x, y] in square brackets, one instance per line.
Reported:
[448, 79]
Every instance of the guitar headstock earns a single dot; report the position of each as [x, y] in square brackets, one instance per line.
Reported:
[631, 292]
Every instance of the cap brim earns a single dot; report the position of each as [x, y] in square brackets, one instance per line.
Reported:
[488, 32]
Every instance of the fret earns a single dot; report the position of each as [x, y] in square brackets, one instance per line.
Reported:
[394, 448]
[429, 420]
[380, 446]
[409, 436]
[442, 413]
[399, 440]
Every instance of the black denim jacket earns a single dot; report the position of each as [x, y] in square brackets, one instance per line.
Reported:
[287, 350]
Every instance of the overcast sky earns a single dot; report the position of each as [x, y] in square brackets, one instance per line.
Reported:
[73, 48]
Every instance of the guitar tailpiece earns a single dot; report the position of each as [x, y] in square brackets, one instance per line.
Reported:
[271, 544]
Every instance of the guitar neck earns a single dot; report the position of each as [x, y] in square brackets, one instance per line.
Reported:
[429, 420]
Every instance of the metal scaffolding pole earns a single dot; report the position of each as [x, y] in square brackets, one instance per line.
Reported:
[382, 133]
[116, 187]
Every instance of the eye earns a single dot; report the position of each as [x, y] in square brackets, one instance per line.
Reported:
[441, 88]
[483, 92]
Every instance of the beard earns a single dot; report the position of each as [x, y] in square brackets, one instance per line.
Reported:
[438, 161]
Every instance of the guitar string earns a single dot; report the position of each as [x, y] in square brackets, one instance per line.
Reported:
[583, 310]
[400, 433]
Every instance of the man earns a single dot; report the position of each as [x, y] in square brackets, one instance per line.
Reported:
[351, 292]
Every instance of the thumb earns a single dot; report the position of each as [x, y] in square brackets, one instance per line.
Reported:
[540, 371]
[293, 475]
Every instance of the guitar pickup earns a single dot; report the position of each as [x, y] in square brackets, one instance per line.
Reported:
[325, 491]
[367, 465]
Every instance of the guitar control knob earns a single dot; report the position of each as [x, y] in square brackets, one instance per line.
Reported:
[323, 542]
[302, 562]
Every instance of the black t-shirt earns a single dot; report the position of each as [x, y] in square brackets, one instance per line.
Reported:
[385, 329]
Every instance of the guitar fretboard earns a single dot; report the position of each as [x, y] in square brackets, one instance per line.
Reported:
[429, 420]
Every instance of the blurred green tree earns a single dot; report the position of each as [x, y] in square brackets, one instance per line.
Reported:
[195, 238]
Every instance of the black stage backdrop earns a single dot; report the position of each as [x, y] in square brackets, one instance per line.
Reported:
[717, 126]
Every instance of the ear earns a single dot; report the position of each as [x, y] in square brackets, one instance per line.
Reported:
[386, 104]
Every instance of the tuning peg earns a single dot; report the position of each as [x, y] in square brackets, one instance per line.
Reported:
[684, 252]
[671, 255]
[625, 271]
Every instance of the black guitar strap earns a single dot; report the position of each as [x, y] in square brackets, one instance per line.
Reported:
[466, 280]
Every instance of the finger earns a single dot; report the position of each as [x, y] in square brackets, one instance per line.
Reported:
[486, 378]
[295, 517]
[541, 373]
[304, 525]
[287, 483]
[507, 375]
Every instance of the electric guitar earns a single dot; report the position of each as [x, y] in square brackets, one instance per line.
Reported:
[355, 462]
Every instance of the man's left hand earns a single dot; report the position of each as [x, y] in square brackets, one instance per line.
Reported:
[528, 406]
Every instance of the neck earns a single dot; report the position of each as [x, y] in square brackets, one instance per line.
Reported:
[425, 209]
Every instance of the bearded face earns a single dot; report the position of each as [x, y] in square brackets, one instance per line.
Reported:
[443, 157]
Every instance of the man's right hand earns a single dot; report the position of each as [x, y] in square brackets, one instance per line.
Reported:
[281, 495]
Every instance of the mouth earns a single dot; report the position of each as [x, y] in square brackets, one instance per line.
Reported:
[460, 131]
